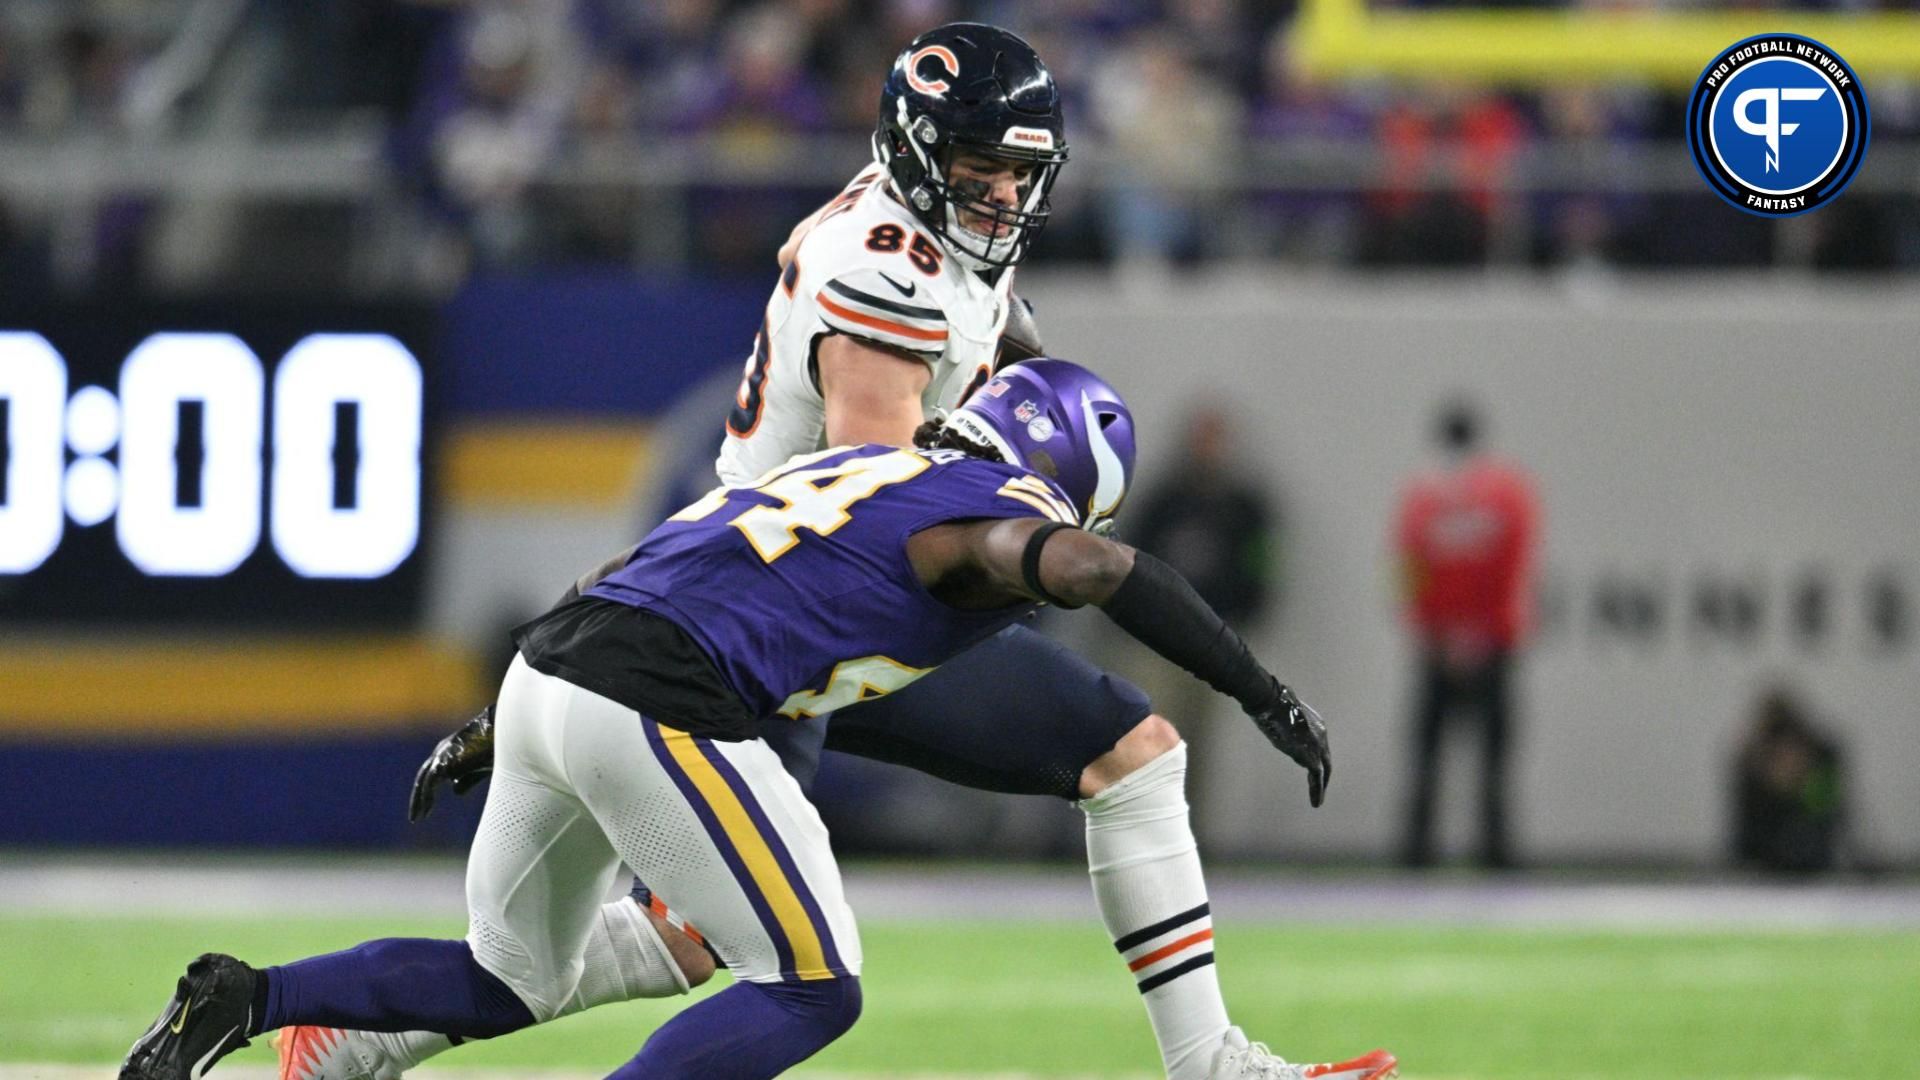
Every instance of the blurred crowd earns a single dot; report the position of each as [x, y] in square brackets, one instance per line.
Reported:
[716, 123]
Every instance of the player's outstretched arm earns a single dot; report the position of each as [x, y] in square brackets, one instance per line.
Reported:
[1151, 601]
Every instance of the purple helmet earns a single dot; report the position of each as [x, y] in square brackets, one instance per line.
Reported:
[1063, 422]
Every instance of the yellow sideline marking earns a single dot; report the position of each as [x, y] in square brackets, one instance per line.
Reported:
[591, 464]
[809, 960]
[147, 686]
[1336, 39]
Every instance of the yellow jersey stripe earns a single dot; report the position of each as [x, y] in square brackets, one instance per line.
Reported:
[1039, 487]
[1046, 507]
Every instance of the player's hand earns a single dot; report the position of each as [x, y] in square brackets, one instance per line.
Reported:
[462, 759]
[1021, 338]
[1298, 731]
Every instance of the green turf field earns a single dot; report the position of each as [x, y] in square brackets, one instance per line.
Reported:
[1048, 1000]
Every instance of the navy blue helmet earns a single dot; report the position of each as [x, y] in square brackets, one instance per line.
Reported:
[968, 86]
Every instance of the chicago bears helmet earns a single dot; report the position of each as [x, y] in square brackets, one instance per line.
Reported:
[1061, 421]
[979, 88]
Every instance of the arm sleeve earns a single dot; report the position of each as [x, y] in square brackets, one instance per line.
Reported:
[1157, 606]
[866, 303]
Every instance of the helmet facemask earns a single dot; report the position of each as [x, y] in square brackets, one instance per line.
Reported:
[919, 157]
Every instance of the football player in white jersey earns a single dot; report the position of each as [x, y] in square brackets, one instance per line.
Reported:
[874, 325]
[892, 301]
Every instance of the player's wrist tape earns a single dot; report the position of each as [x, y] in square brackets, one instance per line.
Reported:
[1163, 612]
[1030, 563]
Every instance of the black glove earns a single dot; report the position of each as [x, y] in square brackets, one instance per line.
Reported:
[1293, 726]
[463, 758]
[1021, 338]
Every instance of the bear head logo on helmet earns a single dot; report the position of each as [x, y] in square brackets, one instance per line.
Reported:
[968, 88]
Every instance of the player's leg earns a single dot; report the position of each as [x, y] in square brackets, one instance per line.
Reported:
[1152, 893]
[1021, 713]
[538, 867]
[721, 825]
[637, 948]
[1429, 719]
[1496, 685]
[632, 951]
[539, 863]
[724, 830]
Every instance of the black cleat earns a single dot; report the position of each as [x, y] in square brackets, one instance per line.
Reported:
[208, 1018]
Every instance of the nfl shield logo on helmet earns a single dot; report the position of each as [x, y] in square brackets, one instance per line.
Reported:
[1025, 411]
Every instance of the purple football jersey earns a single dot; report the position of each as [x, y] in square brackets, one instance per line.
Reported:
[799, 588]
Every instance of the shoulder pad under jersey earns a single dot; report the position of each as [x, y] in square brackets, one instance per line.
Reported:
[859, 268]
[886, 308]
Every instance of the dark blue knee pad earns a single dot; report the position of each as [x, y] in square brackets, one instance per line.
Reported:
[829, 1006]
[749, 1031]
[1018, 713]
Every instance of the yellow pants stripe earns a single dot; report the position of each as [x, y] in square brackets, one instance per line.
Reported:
[809, 960]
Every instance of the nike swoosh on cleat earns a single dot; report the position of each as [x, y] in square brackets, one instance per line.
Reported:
[905, 290]
[180, 1020]
[200, 1067]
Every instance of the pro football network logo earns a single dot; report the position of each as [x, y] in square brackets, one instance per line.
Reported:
[1777, 124]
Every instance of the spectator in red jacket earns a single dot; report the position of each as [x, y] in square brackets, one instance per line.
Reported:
[1466, 535]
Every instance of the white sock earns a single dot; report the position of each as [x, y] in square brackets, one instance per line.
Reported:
[625, 959]
[1153, 899]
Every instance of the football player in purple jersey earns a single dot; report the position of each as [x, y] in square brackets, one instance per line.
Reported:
[894, 304]
[627, 732]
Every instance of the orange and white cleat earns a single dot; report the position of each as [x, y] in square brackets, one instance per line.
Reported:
[1241, 1060]
[324, 1053]
[1376, 1065]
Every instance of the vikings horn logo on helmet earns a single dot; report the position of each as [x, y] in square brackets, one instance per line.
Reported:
[1113, 475]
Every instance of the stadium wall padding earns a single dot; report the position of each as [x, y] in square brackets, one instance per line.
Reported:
[1692, 437]
[315, 792]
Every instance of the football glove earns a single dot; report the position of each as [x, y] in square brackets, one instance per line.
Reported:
[1298, 731]
[1021, 338]
[462, 759]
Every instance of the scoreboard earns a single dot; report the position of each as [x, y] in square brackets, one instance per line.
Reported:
[259, 467]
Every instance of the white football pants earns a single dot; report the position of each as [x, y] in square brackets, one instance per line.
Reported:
[718, 830]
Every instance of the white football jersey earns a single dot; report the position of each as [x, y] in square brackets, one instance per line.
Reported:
[868, 269]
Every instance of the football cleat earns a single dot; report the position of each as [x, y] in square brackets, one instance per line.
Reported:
[324, 1053]
[1239, 1058]
[208, 1018]
[1374, 1065]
